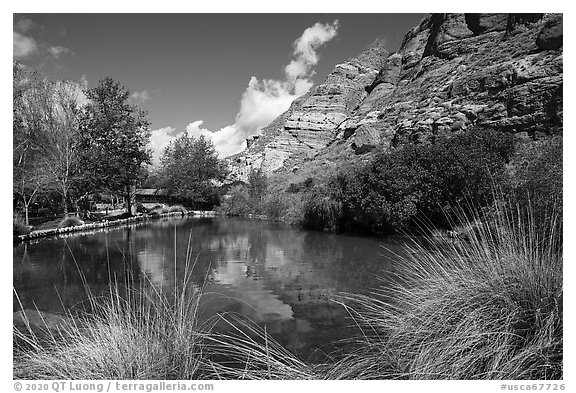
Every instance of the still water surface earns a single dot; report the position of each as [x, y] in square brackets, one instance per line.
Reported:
[277, 276]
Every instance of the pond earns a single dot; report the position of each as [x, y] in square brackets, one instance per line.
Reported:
[277, 276]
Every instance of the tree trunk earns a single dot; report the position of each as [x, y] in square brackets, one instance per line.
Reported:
[128, 200]
[65, 202]
[26, 213]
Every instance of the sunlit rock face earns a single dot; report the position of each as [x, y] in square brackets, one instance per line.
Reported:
[452, 72]
[311, 123]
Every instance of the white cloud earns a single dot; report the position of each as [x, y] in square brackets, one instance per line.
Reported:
[141, 96]
[23, 45]
[264, 100]
[58, 51]
[227, 140]
[305, 49]
[194, 129]
[159, 139]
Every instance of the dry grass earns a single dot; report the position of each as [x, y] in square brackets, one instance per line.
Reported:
[248, 352]
[130, 334]
[489, 307]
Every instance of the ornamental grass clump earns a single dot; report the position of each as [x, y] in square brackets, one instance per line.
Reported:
[487, 307]
[138, 333]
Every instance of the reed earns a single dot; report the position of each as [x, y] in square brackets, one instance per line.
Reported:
[139, 333]
[485, 307]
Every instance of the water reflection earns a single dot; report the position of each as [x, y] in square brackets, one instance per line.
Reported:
[267, 272]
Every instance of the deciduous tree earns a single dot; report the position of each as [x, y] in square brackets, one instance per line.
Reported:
[190, 170]
[113, 139]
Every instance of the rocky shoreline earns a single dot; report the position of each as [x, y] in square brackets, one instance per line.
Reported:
[107, 224]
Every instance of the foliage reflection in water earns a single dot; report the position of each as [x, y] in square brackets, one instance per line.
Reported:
[267, 272]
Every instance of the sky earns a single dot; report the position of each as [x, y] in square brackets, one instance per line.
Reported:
[224, 76]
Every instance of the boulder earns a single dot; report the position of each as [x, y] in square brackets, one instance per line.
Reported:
[550, 36]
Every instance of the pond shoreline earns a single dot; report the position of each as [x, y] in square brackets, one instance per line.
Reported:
[106, 224]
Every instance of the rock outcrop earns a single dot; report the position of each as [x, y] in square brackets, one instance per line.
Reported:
[452, 71]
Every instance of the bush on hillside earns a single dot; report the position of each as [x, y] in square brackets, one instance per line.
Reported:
[537, 177]
[321, 211]
[275, 206]
[397, 187]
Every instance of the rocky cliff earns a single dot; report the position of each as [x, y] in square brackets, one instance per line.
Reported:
[452, 71]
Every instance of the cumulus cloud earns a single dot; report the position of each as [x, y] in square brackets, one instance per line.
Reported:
[23, 45]
[227, 140]
[264, 100]
[141, 96]
[194, 129]
[305, 49]
[159, 139]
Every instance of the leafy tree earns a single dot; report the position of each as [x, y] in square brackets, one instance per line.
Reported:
[236, 201]
[59, 106]
[257, 184]
[428, 180]
[190, 170]
[29, 176]
[113, 139]
[413, 182]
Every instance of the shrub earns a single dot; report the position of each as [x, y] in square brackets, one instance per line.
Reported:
[19, 226]
[322, 212]
[275, 206]
[70, 222]
[257, 185]
[294, 209]
[237, 202]
[299, 187]
[294, 188]
[414, 181]
[537, 177]
[140, 208]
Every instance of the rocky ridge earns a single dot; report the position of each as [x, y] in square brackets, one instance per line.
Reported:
[452, 71]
